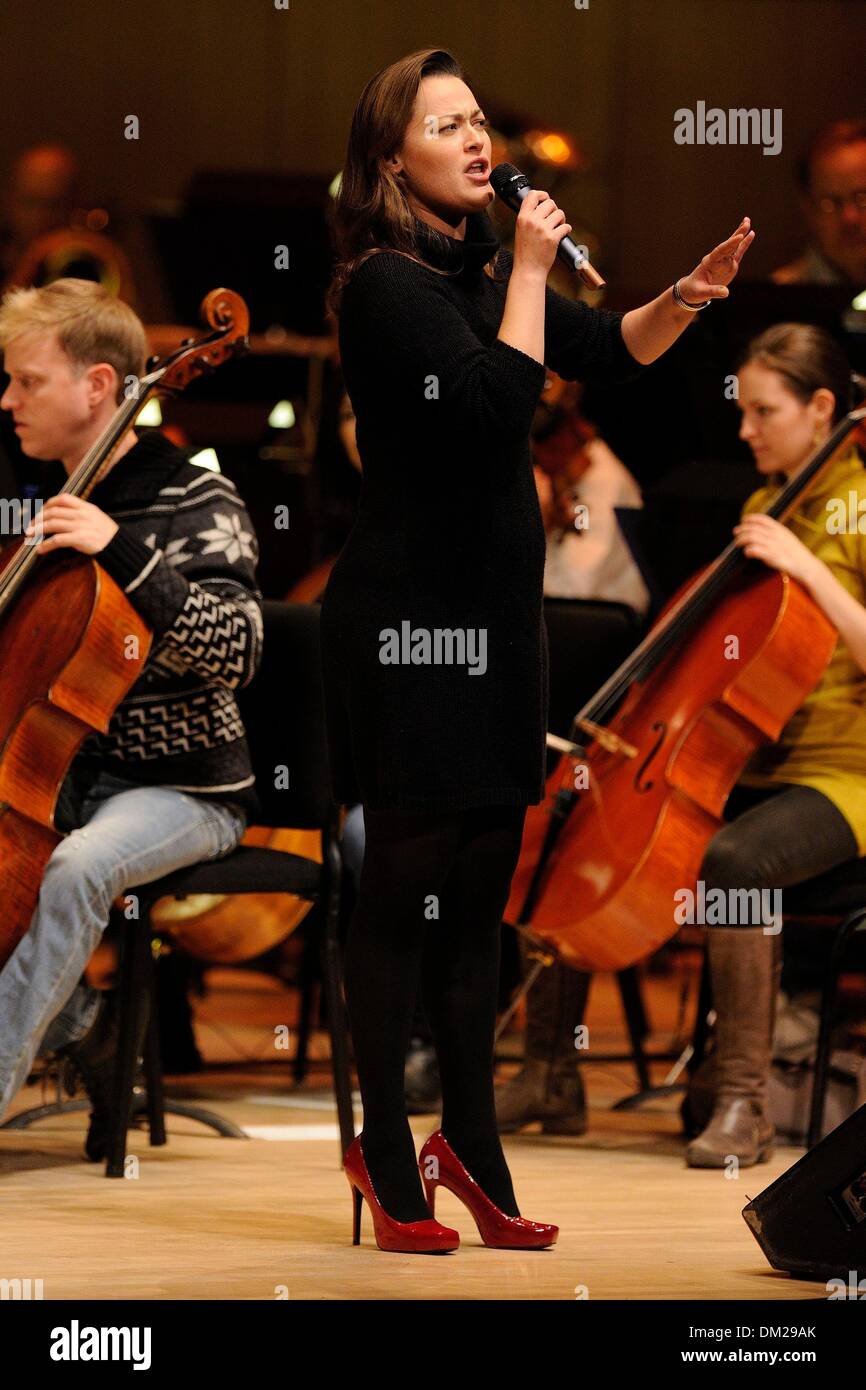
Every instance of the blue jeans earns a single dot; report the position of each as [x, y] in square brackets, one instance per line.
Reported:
[125, 835]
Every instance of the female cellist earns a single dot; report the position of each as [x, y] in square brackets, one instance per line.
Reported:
[443, 359]
[799, 809]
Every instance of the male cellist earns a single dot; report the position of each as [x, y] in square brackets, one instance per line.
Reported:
[170, 784]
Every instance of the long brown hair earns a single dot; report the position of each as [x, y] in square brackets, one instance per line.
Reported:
[371, 210]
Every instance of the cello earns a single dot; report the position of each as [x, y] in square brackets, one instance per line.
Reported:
[71, 643]
[644, 776]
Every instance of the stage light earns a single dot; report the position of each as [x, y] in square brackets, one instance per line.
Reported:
[552, 147]
[150, 414]
[282, 417]
[206, 458]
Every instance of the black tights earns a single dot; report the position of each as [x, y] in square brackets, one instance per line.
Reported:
[775, 838]
[432, 892]
[779, 837]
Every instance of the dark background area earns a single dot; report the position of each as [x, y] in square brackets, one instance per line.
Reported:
[241, 85]
[243, 112]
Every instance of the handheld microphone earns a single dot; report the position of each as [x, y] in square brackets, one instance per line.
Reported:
[512, 187]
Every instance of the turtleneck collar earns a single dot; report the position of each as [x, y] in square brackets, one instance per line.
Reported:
[448, 253]
[139, 473]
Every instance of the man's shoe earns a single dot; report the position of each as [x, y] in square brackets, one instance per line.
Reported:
[94, 1058]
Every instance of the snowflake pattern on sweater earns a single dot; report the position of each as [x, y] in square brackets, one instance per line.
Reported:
[185, 555]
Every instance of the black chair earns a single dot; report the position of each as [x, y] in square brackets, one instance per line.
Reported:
[283, 711]
[836, 902]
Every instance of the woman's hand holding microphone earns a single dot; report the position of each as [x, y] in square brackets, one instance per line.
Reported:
[539, 229]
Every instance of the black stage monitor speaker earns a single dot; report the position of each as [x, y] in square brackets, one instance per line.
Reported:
[812, 1220]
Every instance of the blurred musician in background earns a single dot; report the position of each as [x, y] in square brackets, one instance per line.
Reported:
[832, 179]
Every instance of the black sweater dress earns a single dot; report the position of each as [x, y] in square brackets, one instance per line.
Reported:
[433, 641]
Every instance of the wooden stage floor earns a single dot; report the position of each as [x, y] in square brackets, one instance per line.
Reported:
[270, 1216]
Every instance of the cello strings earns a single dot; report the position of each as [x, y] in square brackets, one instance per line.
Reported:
[76, 485]
[658, 643]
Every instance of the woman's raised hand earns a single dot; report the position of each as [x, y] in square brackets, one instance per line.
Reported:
[717, 269]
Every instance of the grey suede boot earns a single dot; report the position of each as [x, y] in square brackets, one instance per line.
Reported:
[549, 1086]
[745, 968]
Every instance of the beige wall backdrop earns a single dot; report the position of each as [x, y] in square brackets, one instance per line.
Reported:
[243, 84]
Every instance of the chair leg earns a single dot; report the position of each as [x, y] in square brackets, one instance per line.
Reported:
[701, 1032]
[636, 1022]
[136, 988]
[308, 994]
[332, 980]
[828, 1014]
[153, 1078]
[139, 1032]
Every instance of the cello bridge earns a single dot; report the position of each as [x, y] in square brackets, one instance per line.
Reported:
[609, 741]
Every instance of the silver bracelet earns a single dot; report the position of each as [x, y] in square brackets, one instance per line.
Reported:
[684, 304]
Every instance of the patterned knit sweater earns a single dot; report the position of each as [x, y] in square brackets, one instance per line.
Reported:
[184, 554]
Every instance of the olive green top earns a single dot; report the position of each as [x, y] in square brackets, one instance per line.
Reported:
[824, 744]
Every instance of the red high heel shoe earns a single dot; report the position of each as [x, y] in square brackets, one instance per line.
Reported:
[494, 1227]
[410, 1237]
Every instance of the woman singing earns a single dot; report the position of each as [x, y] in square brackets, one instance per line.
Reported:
[434, 652]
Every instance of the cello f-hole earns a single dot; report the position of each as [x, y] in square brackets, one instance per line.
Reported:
[660, 728]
